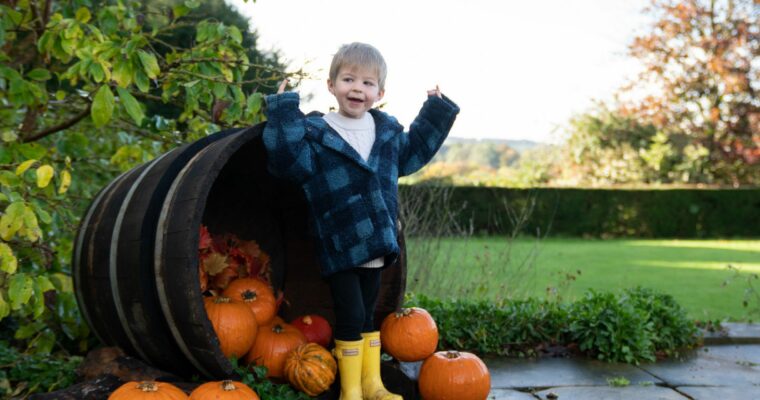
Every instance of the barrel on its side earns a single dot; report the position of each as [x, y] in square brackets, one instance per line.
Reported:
[135, 264]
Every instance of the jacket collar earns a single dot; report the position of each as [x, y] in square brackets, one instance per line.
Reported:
[386, 127]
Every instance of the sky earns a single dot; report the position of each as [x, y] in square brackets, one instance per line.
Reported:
[517, 69]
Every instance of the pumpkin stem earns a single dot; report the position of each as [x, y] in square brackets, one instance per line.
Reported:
[221, 299]
[147, 386]
[307, 320]
[277, 328]
[404, 312]
[249, 296]
[228, 385]
[452, 354]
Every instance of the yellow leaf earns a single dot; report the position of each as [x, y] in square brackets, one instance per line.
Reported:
[215, 263]
[24, 166]
[65, 181]
[8, 261]
[44, 175]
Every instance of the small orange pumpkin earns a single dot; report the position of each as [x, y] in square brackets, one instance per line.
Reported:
[409, 335]
[147, 390]
[257, 294]
[224, 390]
[273, 343]
[454, 375]
[310, 368]
[234, 324]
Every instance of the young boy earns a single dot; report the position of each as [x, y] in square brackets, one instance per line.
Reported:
[348, 164]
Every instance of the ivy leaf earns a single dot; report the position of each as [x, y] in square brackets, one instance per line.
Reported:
[83, 15]
[39, 74]
[8, 261]
[44, 175]
[131, 105]
[65, 181]
[24, 166]
[180, 11]
[102, 106]
[5, 308]
[254, 102]
[122, 72]
[8, 178]
[12, 220]
[235, 34]
[19, 290]
[141, 80]
[31, 228]
[150, 64]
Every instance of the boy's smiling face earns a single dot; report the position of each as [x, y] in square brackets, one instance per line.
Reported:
[356, 89]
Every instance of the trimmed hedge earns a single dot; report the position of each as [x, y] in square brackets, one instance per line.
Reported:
[666, 213]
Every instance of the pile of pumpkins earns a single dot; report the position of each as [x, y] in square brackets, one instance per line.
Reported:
[245, 321]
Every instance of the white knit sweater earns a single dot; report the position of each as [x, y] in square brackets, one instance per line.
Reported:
[360, 134]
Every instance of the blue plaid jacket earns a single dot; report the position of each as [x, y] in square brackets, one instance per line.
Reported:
[353, 204]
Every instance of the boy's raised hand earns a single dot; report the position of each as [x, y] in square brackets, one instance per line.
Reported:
[435, 92]
[284, 83]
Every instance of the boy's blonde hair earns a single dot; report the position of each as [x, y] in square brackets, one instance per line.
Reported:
[361, 55]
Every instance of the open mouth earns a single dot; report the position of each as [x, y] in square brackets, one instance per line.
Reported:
[355, 100]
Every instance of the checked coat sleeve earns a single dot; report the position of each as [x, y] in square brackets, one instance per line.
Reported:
[289, 155]
[426, 134]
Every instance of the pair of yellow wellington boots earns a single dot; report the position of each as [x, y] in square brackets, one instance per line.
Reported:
[359, 368]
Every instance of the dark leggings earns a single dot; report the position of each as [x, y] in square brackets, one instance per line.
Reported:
[354, 294]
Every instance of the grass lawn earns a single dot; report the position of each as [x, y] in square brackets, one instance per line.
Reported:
[693, 271]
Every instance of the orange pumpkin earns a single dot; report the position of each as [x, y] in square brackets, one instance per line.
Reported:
[272, 345]
[257, 294]
[409, 335]
[234, 324]
[310, 368]
[454, 375]
[147, 390]
[224, 390]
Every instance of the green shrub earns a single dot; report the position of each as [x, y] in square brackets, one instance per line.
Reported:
[631, 327]
[671, 329]
[23, 374]
[611, 328]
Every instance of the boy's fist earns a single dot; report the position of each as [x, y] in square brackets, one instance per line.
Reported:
[435, 92]
[284, 83]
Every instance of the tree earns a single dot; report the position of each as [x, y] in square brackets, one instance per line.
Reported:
[87, 91]
[702, 123]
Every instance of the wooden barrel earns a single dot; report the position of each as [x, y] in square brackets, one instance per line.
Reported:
[135, 262]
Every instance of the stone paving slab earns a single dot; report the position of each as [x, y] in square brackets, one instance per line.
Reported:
[552, 372]
[726, 365]
[607, 393]
[508, 394]
[734, 332]
[722, 393]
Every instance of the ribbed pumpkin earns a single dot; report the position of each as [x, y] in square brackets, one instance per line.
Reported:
[224, 390]
[409, 335]
[257, 294]
[454, 375]
[234, 324]
[273, 343]
[310, 368]
[147, 390]
[315, 328]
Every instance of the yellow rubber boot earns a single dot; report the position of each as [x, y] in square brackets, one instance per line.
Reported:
[372, 384]
[349, 355]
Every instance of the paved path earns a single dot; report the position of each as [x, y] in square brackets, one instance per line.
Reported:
[726, 368]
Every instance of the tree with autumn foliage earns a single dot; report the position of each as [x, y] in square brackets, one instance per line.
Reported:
[89, 89]
[699, 122]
